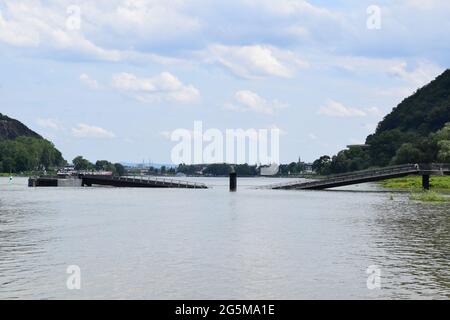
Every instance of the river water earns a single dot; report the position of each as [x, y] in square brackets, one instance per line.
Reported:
[212, 244]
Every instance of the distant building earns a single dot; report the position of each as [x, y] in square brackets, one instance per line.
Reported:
[360, 146]
[308, 167]
[271, 170]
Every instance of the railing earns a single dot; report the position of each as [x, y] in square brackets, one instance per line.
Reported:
[409, 168]
[155, 180]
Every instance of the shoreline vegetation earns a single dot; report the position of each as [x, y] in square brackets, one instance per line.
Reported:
[429, 196]
[414, 183]
[440, 186]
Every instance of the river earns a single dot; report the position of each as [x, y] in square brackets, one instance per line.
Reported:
[212, 244]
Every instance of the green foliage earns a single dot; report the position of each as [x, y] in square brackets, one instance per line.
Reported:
[28, 154]
[322, 165]
[416, 131]
[408, 153]
[429, 196]
[415, 182]
[292, 168]
[82, 164]
[119, 169]
[218, 169]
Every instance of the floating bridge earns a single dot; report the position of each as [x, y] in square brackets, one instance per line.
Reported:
[124, 182]
[425, 170]
[139, 182]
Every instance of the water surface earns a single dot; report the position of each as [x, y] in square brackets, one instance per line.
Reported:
[212, 244]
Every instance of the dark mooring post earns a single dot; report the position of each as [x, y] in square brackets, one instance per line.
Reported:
[426, 182]
[233, 180]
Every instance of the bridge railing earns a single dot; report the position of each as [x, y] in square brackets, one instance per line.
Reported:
[350, 176]
[149, 179]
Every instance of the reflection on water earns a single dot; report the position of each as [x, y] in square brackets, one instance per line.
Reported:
[212, 244]
[417, 238]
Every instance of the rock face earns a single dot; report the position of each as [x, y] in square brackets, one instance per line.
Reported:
[11, 129]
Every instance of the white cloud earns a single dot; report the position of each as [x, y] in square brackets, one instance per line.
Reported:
[412, 78]
[49, 124]
[44, 26]
[254, 61]
[336, 109]
[291, 7]
[163, 87]
[424, 73]
[146, 18]
[91, 83]
[426, 4]
[88, 131]
[246, 100]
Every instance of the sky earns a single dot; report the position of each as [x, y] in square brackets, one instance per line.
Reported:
[111, 79]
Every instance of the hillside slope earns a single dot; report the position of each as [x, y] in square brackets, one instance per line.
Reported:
[22, 149]
[412, 122]
[12, 129]
[416, 131]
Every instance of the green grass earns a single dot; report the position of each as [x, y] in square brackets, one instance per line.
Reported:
[429, 196]
[415, 183]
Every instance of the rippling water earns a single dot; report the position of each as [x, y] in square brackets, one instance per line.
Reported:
[212, 244]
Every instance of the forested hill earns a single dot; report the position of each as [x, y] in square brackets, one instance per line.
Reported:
[426, 111]
[404, 134]
[22, 149]
[12, 128]
[416, 131]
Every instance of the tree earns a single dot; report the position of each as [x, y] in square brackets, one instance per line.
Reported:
[408, 153]
[104, 165]
[82, 164]
[322, 165]
[444, 151]
[119, 169]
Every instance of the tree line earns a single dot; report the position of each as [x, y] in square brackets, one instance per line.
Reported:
[28, 154]
[82, 164]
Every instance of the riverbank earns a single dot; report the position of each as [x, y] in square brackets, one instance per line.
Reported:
[414, 183]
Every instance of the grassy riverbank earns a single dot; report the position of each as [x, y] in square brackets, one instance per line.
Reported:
[429, 196]
[415, 183]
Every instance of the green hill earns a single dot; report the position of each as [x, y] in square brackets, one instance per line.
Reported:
[22, 149]
[416, 131]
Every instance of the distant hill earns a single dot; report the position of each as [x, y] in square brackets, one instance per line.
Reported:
[412, 121]
[22, 149]
[426, 111]
[12, 128]
[416, 131]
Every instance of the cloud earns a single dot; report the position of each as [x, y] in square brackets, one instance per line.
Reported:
[49, 124]
[163, 87]
[246, 100]
[146, 18]
[256, 61]
[88, 131]
[290, 7]
[336, 109]
[91, 83]
[424, 73]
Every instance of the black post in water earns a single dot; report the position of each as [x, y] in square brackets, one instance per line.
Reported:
[233, 180]
[426, 182]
